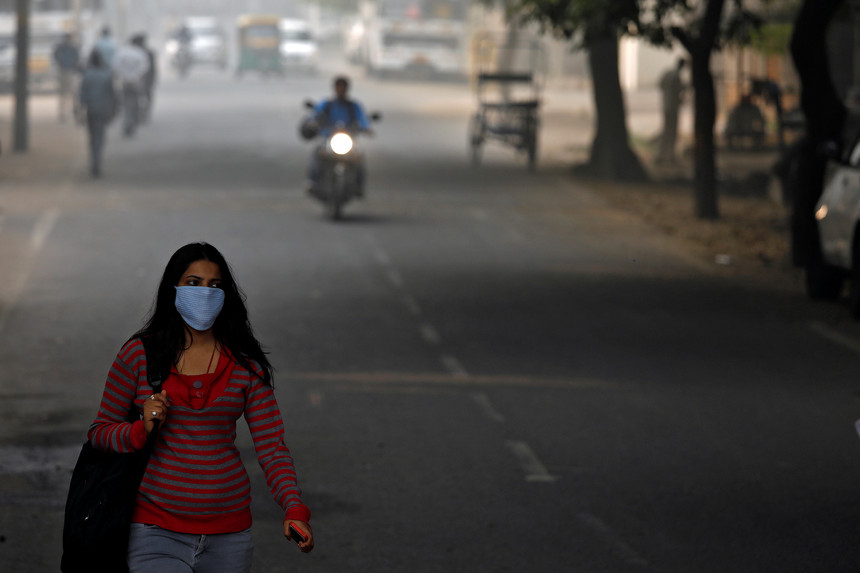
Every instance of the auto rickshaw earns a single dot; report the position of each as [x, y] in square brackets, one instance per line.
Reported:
[259, 44]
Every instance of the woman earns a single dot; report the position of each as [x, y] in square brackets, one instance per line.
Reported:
[98, 100]
[193, 507]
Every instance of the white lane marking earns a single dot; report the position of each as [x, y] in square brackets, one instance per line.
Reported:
[412, 305]
[535, 470]
[834, 336]
[382, 258]
[621, 548]
[395, 277]
[454, 367]
[480, 214]
[430, 334]
[483, 401]
[41, 231]
[43, 227]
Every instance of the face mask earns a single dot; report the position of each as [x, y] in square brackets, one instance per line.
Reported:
[199, 306]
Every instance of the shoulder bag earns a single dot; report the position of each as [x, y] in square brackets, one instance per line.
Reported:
[101, 499]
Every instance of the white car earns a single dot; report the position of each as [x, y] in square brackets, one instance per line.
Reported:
[838, 217]
[298, 48]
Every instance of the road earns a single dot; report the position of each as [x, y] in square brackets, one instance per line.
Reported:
[480, 369]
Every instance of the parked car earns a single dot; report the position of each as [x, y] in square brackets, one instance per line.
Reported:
[298, 47]
[838, 218]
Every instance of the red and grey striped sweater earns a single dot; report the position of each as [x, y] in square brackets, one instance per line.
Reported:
[195, 481]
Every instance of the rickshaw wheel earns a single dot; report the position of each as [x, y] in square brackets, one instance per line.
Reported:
[476, 138]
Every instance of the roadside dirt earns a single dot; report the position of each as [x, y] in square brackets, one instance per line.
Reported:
[751, 237]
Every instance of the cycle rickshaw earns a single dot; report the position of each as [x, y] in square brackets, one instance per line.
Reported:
[508, 86]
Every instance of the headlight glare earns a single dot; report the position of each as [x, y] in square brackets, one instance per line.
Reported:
[341, 143]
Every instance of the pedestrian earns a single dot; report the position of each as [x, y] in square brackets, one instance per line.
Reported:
[149, 81]
[106, 46]
[98, 102]
[67, 59]
[192, 512]
[130, 65]
[672, 91]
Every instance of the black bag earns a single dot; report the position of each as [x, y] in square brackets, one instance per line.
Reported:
[101, 500]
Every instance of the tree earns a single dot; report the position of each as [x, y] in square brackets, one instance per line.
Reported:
[594, 22]
[596, 25]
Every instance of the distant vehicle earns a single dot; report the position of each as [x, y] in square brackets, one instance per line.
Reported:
[258, 38]
[298, 47]
[424, 36]
[838, 218]
[207, 45]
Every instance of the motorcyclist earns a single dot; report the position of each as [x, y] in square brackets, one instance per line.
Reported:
[184, 38]
[340, 110]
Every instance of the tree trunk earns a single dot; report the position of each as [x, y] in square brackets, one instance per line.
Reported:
[705, 180]
[700, 49]
[825, 117]
[611, 154]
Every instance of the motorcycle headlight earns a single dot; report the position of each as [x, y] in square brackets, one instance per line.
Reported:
[341, 143]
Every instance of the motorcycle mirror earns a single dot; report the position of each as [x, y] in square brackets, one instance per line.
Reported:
[309, 104]
[375, 116]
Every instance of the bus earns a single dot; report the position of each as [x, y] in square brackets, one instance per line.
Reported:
[418, 36]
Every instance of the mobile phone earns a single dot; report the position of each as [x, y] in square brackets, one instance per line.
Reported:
[297, 535]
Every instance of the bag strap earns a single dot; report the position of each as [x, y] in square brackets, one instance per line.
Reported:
[154, 375]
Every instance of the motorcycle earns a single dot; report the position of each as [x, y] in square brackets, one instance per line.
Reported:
[339, 164]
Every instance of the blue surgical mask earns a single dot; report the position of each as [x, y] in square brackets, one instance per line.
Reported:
[199, 306]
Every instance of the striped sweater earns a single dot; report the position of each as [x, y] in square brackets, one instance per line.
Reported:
[195, 481]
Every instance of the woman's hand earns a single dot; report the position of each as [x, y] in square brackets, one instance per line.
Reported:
[307, 545]
[155, 408]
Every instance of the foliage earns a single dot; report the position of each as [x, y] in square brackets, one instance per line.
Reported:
[656, 21]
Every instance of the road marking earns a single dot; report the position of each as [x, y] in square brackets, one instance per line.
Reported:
[434, 378]
[619, 545]
[382, 258]
[395, 277]
[430, 334]
[483, 401]
[834, 336]
[43, 227]
[535, 470]
[480, 214]
[412, 305]
[41, 231]
[454, 367]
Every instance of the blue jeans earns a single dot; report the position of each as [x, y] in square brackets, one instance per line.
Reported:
[151, 548]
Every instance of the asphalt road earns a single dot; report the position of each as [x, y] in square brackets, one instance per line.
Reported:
[480, 369]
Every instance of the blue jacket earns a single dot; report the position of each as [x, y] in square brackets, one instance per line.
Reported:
[331, 112]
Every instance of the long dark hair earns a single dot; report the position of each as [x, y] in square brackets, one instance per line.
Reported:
[232, 327]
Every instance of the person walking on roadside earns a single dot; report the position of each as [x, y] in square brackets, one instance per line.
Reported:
[106, 46]
[130, 65]
[149, 81]
[98, 101]
[193, 508]
[67, 59]
[672, 91]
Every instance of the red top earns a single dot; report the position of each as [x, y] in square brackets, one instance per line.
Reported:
[195, 481]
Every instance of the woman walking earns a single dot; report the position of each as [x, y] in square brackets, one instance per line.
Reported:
[193, 508]
[98, 100]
